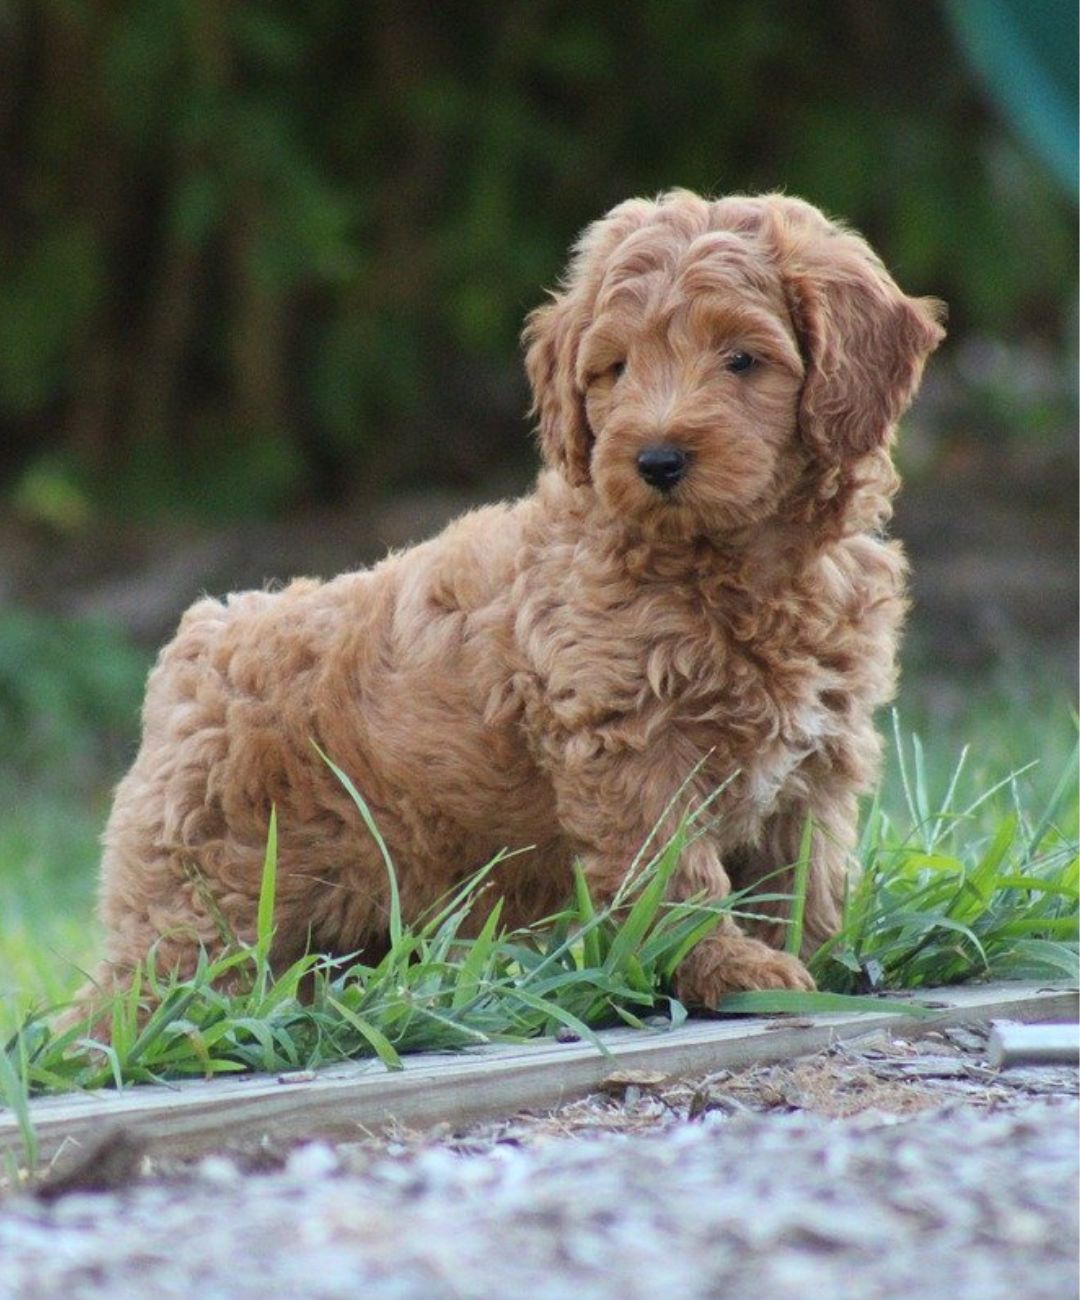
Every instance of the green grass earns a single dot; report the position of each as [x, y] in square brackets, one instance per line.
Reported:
[966, 872]
[986, 885]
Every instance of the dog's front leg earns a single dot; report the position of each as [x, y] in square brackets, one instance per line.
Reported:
[833, 821]
[609, 809]
[728, 960]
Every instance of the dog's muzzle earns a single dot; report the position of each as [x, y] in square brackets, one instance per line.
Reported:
[662, 465]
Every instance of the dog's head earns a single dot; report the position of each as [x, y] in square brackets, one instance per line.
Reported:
[704, 362]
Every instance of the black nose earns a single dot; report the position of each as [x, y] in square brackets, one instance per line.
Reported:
[662, 465]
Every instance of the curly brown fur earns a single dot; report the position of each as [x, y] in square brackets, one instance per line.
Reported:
[548, 673]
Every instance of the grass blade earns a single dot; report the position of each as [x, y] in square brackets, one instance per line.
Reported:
[480, 955]
[812, 1004]
[798, 901]
[379, 1043]
[15, 1094]
[586, 915]
[1066, 783]
[395, 922]
[552, 1011]
[264, 924]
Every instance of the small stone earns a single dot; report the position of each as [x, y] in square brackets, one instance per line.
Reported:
[311, 1161]
[219, 1170]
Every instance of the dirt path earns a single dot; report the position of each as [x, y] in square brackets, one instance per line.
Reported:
[887, 1169]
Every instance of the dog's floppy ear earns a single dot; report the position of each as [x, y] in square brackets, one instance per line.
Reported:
[553, 334]
[551, 338]
[864, 342]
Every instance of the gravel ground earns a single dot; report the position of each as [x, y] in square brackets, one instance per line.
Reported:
[886, 1170]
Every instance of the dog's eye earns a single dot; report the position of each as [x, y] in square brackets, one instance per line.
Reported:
[610, 374]
[739, 362]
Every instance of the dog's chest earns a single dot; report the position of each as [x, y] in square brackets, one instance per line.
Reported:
[767, 701]
[744, 686]
[756, 688]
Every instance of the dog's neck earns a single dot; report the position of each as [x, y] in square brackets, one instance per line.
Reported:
[761, 557]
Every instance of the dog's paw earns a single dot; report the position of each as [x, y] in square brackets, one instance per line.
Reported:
[735, 963]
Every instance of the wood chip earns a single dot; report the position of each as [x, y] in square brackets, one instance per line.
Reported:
[619, 1081]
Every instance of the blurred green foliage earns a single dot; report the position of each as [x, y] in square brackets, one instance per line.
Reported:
[69, 698]
[69, 706]
[240, 243]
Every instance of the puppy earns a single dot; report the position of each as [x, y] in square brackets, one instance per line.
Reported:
[696, 597]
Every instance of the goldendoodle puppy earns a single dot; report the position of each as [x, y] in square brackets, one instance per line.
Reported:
[697, 595]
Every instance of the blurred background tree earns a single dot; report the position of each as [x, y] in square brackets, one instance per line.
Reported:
[258, 254]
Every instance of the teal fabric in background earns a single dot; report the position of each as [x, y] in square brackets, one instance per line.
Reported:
[1025, 52]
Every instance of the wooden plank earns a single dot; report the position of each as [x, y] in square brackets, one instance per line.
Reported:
[343, 1101]
[1034, 1045]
